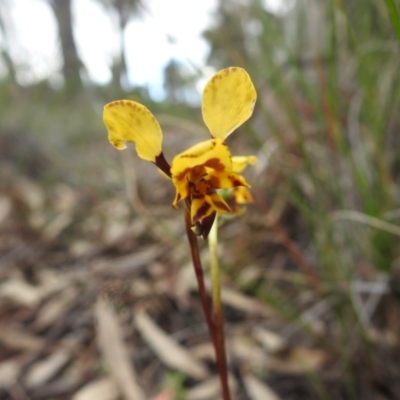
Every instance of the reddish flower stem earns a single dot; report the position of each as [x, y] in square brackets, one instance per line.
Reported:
[220, 350]
[163, 164]
[216, 325]
[194, 250]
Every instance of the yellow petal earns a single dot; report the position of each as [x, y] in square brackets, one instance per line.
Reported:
[128, 121]
[181, 191]
[212, 154]
[226, 179]
[242, 195]
[239, 163]
[228, 101]
[218, 203]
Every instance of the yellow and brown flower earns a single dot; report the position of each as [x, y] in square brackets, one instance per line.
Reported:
[197, 173]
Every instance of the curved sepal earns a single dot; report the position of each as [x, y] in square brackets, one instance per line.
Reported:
[128, 121]
[228, 101]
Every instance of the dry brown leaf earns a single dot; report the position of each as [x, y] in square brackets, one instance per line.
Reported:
[298, 360]
[167, 394]
[241, 302]
[57, 225]
[9, 371]
[29, 192]
[245, 349]
[114, 232]
[5, 207]
[258, 390]
[141, 287]
[42, 371]
[117, 224]
[170, 352]
[271, 341]
[52, 310]
[127, 264]
[252, 273]
[383, 337]
[310, 358]
[289, 360]
[103, 389]
[242, 347]
[18, 338]
[203, 351]
[209, 390]
[20, 292]
[51, 282]
[187, 281]
[115, 353]
[65, 197]
[81, 247]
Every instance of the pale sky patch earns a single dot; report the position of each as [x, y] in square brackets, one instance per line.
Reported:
[279, 7]
[165, 30]
[170, 30]
[32, 40]
[97, 38]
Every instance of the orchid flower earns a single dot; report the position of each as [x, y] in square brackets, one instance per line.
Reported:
[197, 173]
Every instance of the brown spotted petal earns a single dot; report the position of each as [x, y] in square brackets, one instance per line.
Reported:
[227, 179]
[203, 206]
[206, 157]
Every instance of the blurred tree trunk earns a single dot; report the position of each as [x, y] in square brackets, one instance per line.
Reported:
[5, 52]
[72, 64]
[227, 39]
[125, 10]
[120, 68]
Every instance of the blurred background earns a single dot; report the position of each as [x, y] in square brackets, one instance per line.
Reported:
[97, 294]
